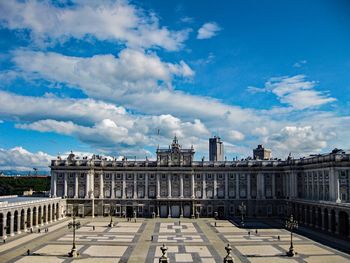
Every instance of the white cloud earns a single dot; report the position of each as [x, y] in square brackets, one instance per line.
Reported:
[150, 93]
[299, 140]
[208, 30]
[18, 158]
[116, 21]
[295, 91]
[235, 135]
[299, 64]
[36, 108]
[133, 71]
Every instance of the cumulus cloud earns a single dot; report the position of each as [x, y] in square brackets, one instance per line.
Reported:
[208, 30]
[296, 91]
[154, 97]
[235, 135]
[117, 21]
[300, 140]
[18, 158]
[133, 71]
[37, 108]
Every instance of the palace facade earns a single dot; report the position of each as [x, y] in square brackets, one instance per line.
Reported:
[316, 189]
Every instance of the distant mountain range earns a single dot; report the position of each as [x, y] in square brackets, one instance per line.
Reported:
[23, 173]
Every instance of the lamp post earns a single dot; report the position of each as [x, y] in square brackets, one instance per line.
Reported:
[242, 209]
[75, 225]
[291, 224]
[111, 211]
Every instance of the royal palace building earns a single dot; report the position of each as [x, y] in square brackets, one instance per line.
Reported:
[316, 189]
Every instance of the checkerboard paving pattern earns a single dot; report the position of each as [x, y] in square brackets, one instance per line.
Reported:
[187, 241]
[186, 254]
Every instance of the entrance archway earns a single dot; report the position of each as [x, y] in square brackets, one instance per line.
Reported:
[22, 219]
[40, 214]
[313, 217]
[15, 222]
[319, 217]
[49, 218]
[333, 221]
[343, 224]
[325, 218]
[8, 223]
[35, 212]
[129, 211]
[29, 219]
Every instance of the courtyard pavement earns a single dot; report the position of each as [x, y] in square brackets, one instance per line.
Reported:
[188, 240]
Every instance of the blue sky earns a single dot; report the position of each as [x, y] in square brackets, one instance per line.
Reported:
[104, 77]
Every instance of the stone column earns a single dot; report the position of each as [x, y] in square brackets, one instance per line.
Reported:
[273, 186]
[316, 218]
[124, 186]
[146, 186]
[262, 186]
[169, 185]
[135, 186]
[324, 186]
[12, 223]
[192, 186]
[54, 184]
[18, 223]
[204, 186]
[337, 189]
[181, 185]
[65, 185]
[87, 185]
[113, 186]
[169, 210]
[226, 186]
[47, 215]
[318, 186]
[101, 186]
[215, 187]
[237, 186]
[30, 220]
[329, 221]
[76, 185]
[181, 210]
[322, 219]
[307, 185]
[337, 223]
[248, 187]
[311, 218]
[4, 236]
[158, 187]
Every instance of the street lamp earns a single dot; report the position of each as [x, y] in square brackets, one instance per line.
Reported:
[75, 225]
[291, 224]
[242, 209]
[111, 211]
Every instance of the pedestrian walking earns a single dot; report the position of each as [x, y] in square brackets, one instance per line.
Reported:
[28, 252]
[256, 231]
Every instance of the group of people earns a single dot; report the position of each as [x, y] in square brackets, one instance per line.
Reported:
[39, 230]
